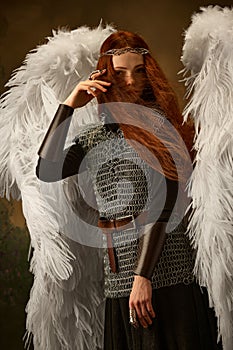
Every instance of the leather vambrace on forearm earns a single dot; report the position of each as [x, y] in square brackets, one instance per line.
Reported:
[150, 247]
[54, 141]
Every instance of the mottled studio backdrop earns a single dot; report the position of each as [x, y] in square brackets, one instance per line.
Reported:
[23, 25]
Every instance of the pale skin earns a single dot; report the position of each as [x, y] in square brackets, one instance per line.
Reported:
[130, 67]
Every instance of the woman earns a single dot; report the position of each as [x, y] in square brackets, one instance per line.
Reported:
[148, 271]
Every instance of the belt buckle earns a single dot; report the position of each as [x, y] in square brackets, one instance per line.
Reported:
[132, 222]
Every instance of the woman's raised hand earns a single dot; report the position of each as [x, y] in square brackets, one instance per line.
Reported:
[86, 90]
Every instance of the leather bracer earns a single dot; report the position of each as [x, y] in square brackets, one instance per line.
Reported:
[54, 141]
[150, 247]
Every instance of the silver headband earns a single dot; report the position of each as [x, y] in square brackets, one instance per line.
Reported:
[118, 52]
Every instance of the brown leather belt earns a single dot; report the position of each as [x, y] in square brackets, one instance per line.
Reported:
[110, 226]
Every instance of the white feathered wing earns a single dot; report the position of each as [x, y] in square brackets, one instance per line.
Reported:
[66, 305]
[208, 56]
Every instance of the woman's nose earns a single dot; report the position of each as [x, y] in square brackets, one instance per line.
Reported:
[129, 79]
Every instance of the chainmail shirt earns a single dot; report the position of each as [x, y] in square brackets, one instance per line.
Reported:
[123, 185]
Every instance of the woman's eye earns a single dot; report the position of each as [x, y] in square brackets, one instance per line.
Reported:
[140, 70]
[119, 72]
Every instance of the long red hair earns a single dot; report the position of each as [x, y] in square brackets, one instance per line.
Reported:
[157, 94]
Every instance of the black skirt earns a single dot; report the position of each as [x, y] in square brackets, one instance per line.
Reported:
[183, 322]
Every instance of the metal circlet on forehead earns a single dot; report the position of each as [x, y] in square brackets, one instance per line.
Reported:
[118, 52]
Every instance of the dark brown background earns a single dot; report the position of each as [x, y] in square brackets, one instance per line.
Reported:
[25, 24]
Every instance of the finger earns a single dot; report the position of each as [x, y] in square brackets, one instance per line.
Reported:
[133, 318]
[98, 74]
[84, 85]
[146, 315]
[102, 71]
[96, 85]
[90, 91]
[140, 316]
[150, 309]
[102, 82]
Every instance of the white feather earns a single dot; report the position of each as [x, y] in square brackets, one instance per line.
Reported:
[208, 56]
[63, 283]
